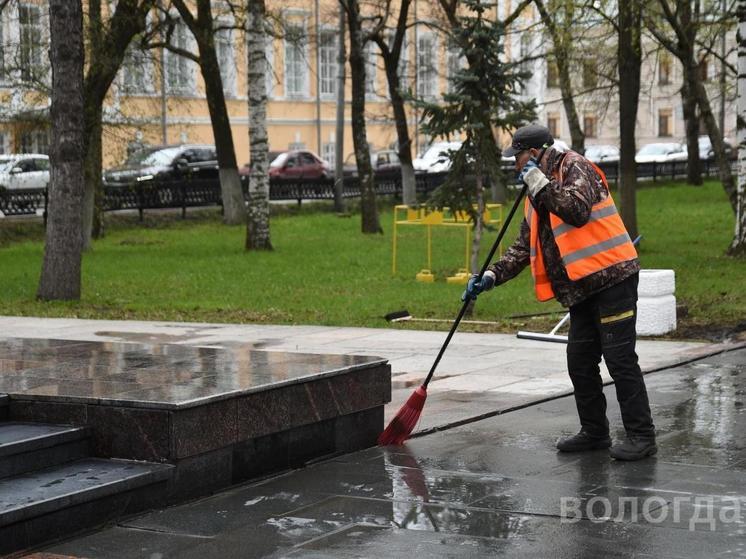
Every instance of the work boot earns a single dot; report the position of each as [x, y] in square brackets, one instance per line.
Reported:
[634, 448]
[583, 441]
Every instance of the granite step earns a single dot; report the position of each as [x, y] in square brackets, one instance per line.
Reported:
[25, 447]
[56, 502]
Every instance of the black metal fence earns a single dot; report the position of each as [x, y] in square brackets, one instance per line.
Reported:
[185, 194]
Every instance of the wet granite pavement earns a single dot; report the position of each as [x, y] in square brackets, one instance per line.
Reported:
[479, 375]
[495, 487]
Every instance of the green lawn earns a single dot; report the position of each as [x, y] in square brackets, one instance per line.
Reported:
[323, 271]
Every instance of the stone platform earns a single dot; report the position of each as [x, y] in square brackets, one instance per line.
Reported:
[217, 415]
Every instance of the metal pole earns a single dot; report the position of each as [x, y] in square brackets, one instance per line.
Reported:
[318, 79]
[339, 135]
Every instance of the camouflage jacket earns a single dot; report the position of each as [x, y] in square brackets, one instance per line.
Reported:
[572, 200]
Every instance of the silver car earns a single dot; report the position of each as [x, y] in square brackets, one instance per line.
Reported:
[22, 171]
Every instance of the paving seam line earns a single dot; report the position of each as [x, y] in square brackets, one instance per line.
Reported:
[487, 415]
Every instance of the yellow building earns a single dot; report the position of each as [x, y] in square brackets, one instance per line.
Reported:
[158, 97]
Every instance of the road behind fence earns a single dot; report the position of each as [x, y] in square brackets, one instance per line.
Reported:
[185, 194]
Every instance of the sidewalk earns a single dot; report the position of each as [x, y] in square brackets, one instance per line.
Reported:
[496, 487]
[480, 374]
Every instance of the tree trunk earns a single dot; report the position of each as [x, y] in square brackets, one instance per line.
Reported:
[738, 246]
[716, 139]
[691, 125]
[111, 41]
[61, 268]
[409, 185]
[202, 28]
[370, 223]
[629, 60]
[562, 56]
[257, 224]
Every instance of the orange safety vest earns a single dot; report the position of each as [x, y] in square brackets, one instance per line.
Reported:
[602, 242]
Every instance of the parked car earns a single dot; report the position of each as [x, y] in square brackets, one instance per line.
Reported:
[602, 153]
[706, 151]
[386, 161]
[299, 165]
[26, 170]
[436, 158]
[661, 153]
[166, 163]
[245, 170]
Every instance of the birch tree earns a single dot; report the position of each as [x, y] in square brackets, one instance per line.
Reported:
[257, 225]
[60, 274]
[738, 246]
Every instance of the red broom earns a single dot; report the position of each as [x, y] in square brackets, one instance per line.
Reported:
[401, 426]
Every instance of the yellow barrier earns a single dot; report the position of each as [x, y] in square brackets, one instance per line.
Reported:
[422, 217]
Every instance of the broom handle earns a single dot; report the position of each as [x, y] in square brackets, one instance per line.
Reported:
[496, 244]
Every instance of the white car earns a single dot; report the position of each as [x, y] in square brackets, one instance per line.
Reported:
[436, 158]
[26, 170]
[602, 154]
[661, 153]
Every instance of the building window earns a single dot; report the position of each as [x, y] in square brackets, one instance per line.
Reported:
[454, 64]
[179, 76]
[328, 67]
[552, 74]
[36, 141]
[590, 124]
[296, 146]
[427, 77]
[296, 70]
[3, 143]
[665, 123]
[269, 53]
[664, 69]
[137, 71]
[329, 153]
[590, 78]
[370, 69]
[29, 20]
[553, 123]
[226, 61]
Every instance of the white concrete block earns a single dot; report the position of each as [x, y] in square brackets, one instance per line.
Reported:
[654, 283]
[656, 315]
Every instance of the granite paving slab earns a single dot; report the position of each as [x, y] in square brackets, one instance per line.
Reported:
[491, 488]
[148, 375]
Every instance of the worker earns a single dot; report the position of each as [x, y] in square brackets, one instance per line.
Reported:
[580, 253]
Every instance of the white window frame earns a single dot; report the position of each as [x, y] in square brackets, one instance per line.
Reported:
[454, 63]
[427, 66]
[329, 153]
[141, 60]
[269, 53]
[186, 84]
[328, 66]
[225, 48]
[371, 70]
[37, 37]
[299, 49]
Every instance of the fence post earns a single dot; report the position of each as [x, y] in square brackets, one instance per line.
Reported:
[46, 205]
[140, 200]
[182, 186]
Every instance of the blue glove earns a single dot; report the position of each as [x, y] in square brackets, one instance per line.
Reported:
[476, 286]
[530, 164]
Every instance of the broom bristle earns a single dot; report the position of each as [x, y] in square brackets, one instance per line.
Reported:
[404, 422]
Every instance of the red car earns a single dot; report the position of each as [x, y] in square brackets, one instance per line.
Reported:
[299, 165]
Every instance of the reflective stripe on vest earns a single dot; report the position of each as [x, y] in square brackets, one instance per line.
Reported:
[601, 242]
